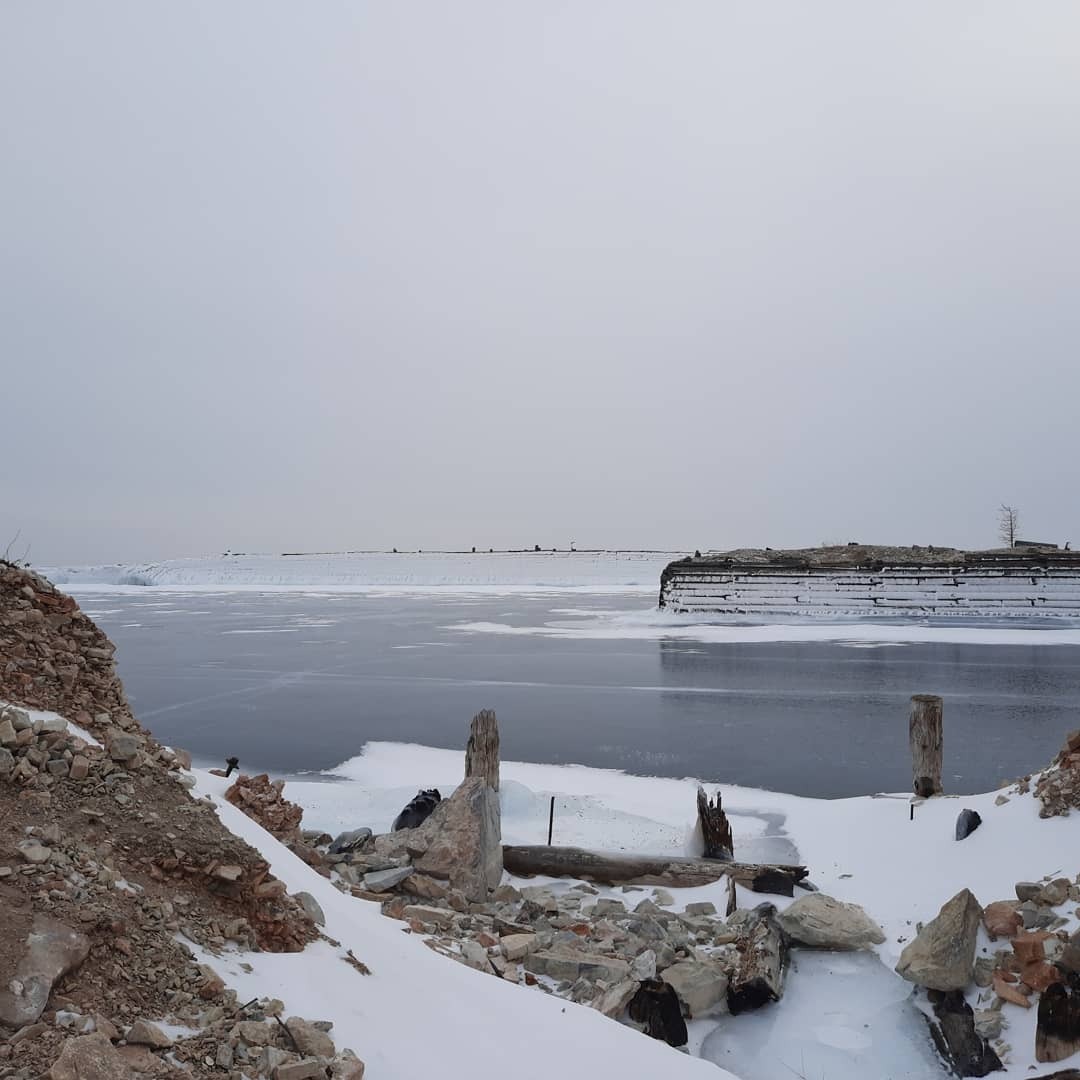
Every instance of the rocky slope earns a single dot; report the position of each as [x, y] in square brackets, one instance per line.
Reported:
[107, 866]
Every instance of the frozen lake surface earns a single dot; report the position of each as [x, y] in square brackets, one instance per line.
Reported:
[295, 681]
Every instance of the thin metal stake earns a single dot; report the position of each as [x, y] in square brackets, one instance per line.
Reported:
[551, 819]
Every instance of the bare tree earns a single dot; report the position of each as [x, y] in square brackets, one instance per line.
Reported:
[1008, 524]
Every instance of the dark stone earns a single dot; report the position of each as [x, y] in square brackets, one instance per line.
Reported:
[345, 842]
[418, 810]
[656, 1005]
[967, 1052]
[967, 823]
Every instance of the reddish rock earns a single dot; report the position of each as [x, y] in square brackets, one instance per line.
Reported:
[1009, 993]
[1001, 919]
[1029, 948]
[1040, 975]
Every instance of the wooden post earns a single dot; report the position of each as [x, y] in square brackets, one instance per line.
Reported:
[714, 827]
[926, 744]
[482, 751]
[551, 819]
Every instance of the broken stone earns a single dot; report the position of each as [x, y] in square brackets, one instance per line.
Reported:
[143, 1033]
[305, 1069]
[311, 906]
[518, 946]
[474, 955]
[699, 986]
[431, 915]
[252, 1032]
[346, 1066]
[310, 1041]
[385, 880]
[1001, 919]
[942, 954]
[89, 1057]
[465, 845]
[33, 852]
[818, 921]
[966, 823]
[613, 1000]
[349, 841]
[643, 966]
[122, 746]
[1007, 992]
[51, 951]
[563, 963]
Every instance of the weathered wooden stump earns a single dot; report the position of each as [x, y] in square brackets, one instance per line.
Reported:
[482, 751]
[1057, 1032]
[758, 977]
[656, 1005]
[714, 827]
[955, 1036]
[925, 733]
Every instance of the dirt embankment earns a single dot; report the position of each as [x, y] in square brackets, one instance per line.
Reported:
[103, 847]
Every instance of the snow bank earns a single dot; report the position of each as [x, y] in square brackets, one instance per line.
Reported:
[418, 1014]
[586, 571]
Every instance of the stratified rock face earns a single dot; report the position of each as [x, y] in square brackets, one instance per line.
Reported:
[942, 956]
[51, 950]
[463, 840]
[818, 921]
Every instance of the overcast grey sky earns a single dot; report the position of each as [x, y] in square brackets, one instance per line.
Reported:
[339, 275]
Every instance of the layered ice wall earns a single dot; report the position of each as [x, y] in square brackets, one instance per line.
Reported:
[973, 584]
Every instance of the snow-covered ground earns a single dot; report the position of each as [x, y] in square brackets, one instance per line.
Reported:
[842, 1017]
[502, 571]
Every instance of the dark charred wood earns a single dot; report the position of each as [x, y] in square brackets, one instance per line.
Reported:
[954, 1034]
[715, 828]
[656, 1005]
[1057, 1030]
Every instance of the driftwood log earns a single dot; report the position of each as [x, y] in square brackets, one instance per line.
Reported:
[714, 827]
[925, 733]
[666, 870]
[758, 976]
[482, 749]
